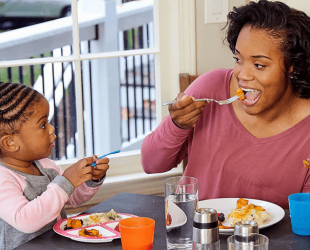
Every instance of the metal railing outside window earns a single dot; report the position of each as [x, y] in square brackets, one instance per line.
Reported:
[137, 85]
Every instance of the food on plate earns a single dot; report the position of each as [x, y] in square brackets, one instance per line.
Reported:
[73, 223]
[117, 228]
[240, 93]
[221, 226]
[246, 211]
[89, 233]
[241, 203]
[92, 219]
[306, 163]
[168, 216]
[168, 219]
[98, 218]
[221, 218]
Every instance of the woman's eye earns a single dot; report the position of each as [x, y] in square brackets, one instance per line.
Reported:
[236, 59]
[259, 66]
[43, 125]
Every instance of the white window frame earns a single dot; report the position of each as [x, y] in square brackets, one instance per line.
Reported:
[174, 50]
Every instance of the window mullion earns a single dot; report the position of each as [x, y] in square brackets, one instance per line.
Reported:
[78, 80]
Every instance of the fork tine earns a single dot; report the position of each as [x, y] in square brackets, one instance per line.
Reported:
[230, 100]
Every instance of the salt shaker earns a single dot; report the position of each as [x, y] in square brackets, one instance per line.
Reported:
[246, 234]
[206, 230]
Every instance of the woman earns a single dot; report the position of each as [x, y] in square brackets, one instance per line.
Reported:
[252, 148]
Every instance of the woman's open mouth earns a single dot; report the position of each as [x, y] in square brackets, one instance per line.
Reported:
[251, 96]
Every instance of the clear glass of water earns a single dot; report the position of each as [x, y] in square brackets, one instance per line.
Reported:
[181, 199]
[248, 242]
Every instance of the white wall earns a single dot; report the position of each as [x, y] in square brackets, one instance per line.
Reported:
[303, 5]
[211, 52]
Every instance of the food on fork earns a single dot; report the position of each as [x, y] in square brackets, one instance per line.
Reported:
[240, 93]
[245, 211]
[89, 233]
[306, 163]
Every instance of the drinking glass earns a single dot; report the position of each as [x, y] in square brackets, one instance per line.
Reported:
[249, 242]
[299, 205]
[137, 233]
[181, 199]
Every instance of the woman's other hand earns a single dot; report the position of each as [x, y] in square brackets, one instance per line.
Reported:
[101, 167]
[186, 111]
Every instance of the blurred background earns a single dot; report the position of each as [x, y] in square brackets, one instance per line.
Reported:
[118, 94]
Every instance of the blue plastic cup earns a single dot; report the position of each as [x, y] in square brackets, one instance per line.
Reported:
[299, 205]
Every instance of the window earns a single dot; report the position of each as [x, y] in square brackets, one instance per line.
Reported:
[105, 83]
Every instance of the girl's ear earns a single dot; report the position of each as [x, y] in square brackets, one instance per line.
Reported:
[8, 144]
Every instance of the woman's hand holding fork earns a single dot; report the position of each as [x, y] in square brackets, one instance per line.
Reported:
[186, 111]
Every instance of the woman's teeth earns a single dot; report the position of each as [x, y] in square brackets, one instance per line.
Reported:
[251, 95]
[249, 90]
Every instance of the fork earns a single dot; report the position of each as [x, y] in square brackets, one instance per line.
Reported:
[227, 101]
[100, 157]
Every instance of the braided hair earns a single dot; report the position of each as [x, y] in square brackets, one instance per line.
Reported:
[15, 102]
[289, 26]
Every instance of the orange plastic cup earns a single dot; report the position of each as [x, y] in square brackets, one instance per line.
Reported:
[137, 233]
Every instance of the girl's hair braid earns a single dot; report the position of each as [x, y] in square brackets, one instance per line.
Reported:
[14, 100]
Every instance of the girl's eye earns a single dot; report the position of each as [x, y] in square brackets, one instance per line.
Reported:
[43, 125]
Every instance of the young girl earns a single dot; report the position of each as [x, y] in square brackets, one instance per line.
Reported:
[33, 190]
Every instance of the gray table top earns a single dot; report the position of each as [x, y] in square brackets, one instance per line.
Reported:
[280, 235]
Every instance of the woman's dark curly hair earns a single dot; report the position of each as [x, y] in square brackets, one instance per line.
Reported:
[289, 26]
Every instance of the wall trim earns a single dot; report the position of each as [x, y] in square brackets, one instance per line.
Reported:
[187, 36]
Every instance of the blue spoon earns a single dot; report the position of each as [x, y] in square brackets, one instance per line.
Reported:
[114, 152]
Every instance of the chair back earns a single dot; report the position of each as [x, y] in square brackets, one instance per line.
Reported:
[185, 80]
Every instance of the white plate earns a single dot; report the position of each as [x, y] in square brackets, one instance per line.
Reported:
[178, 217]
[106, 229]
[225, 205]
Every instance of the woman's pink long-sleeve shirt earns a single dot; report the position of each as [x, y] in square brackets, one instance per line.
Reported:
[31, 205]
[227, 160]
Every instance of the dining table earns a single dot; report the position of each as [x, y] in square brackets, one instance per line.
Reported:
[280, 234]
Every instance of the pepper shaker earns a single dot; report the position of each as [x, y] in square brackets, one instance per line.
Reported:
[246, 234]
[206, 230]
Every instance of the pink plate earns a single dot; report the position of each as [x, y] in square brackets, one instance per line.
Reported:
[105, 229]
